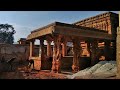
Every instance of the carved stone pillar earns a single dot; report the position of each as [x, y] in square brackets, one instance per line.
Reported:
[32, 48]
[94, 50]
[88, 47]
[107, 50]
[57, 54]
[49, 48]
[54, 55]
[76, 55]
[41, 50]
[64, 48]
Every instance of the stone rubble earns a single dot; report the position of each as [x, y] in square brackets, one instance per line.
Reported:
[101, 70]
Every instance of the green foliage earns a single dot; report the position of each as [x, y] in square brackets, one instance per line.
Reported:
[6, 33]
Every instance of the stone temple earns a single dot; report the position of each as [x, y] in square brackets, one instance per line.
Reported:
[77, 45]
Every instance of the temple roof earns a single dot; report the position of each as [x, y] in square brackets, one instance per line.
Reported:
[69, 30]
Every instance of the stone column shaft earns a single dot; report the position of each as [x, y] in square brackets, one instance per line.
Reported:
[94, 52]
[31, 48]
[49, 48]
[57, 54]
[64, 48]
[107, 50]
[76, 55]
[41, 50]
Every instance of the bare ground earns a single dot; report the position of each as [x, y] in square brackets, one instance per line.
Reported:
[43, 74]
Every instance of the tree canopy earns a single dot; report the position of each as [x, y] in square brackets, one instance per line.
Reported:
[6, 33]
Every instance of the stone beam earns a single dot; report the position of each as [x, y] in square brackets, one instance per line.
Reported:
[87, 33]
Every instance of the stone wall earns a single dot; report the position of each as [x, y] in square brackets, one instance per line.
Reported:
[20, 52]
[66, 63]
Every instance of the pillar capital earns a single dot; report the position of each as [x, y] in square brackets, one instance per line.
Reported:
[48, 41]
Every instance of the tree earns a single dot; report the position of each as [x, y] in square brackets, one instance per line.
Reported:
[6, 33]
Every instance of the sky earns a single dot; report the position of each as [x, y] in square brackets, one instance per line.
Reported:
[26, 21]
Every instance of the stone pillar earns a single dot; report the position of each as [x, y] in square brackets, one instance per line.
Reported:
[118, 52]
[57, 54]
[76, 55]
[88, 47]
[94, 50]
[107, 50]
[49, 48]
[41, 50]
[54, 55]
[64, 48]
[119, 18]
[114, 50]
[31, 48]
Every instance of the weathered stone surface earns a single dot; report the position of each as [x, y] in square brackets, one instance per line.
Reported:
[20, 52]
[37, 64]
[103, 69]
[119, 18]
[118, 51]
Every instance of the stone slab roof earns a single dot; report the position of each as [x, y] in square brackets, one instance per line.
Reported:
[69, 30]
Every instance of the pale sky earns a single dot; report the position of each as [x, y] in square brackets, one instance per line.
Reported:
[26, 21]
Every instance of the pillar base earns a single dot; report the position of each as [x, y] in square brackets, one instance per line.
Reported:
[37, 64]
[58, 70]
[53, 66]
[75, 68]
[56, 66]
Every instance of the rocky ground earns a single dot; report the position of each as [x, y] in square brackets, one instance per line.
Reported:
[32, 74]
[102, 70]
